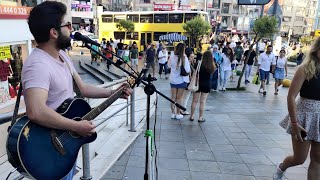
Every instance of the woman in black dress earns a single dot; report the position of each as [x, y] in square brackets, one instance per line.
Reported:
[206, 70]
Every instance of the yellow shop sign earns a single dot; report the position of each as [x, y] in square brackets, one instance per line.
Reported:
[5, 52]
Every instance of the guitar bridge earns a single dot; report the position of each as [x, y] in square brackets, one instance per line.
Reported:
[57, 144]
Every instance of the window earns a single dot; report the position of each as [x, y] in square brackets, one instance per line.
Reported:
[225, 21]
[119, 35]
[133, 17]
[235, 9]
[216, 4]
[189, 16]
[225, 8]
[107, 18]
[285, 28]
[117, 17]
[300, 12]
[299, 18]
[287, 8]
[146, 18]
[235, 21]
[132, 36]
[175, 18]
[286, 19]
[161, 18]
[156, 35]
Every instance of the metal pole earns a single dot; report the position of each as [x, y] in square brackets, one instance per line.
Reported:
[132, 115]
[127, 113]
[86, 162]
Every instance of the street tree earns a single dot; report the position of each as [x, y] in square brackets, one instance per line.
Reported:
[126, 26]
[264, 27]
[306, 40]
[196, 28]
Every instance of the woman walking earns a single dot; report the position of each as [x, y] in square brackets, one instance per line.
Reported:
[225, 66]
[279, 67]
[179, 78]
[304, 116]
[207, 68]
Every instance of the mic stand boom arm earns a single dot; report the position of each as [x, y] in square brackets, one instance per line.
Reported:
[134, 76]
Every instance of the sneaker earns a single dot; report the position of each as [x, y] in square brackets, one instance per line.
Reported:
[260, 91]
[179, 116]
[264, 93]
[223, 89]
[173, 116]
[278, 174]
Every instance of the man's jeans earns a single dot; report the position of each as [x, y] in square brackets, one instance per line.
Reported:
[248, 72]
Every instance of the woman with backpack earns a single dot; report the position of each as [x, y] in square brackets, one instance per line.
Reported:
[207, 68]
[279, 66]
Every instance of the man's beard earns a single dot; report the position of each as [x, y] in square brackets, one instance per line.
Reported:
[63, 42]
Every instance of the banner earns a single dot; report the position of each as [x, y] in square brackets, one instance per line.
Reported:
[253, 2]
[14, 12]
[5, 52]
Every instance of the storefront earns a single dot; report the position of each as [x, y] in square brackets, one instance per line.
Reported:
[15, 46]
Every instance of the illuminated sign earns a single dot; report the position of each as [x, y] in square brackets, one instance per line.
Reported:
[14, 12]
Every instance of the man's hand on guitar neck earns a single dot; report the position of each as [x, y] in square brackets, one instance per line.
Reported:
[84, 128]
[127, 91]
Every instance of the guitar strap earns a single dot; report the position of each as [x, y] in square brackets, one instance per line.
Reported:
[16, 107]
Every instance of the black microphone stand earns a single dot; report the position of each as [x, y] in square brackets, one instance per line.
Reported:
[149, 89]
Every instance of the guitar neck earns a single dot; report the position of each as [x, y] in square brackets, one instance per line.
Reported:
[99, 109]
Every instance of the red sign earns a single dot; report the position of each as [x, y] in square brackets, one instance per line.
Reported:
[14, 12]
[169, 7]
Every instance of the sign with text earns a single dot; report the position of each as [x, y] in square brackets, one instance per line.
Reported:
[5, 52]
[14, 12]
[253, 2]
[169, 7]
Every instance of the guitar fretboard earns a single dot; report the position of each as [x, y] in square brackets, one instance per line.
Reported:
[99, 109]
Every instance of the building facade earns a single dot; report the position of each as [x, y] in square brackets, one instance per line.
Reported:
[298, 17]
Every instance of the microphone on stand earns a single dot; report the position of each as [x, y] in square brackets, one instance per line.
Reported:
[78, 36]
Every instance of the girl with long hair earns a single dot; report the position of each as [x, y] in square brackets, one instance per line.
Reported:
[207, 68]
[226, 59]
[279, 67]
[304, 116]
[178, 80]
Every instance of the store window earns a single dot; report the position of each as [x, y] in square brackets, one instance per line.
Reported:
[160, 18]
[156, 35]
[107, 18]
[133, 18]
[11, 59]
[132, 36]
[146, 18]
[216, 4]
[118, 17]
[175, 18]
[235, 9]
[225, 8]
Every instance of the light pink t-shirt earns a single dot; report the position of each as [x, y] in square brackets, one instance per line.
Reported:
[40, 70]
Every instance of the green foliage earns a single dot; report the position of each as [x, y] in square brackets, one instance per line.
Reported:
[125, 25]
[197, 27]
[292, 58]
[265, 27]
[306, 40]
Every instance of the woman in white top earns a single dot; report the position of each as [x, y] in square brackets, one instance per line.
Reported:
[226, 58]
[163, 61]
[178, 82]
[279, 66]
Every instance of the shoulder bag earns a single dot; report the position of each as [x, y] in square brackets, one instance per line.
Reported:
[194, 83]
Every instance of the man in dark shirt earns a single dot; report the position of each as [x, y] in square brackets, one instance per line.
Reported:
[300, 57]
[252, 57]
[149, 60]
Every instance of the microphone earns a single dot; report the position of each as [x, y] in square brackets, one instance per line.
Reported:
[78, 36]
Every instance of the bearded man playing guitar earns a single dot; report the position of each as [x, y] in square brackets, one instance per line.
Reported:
[47, 75]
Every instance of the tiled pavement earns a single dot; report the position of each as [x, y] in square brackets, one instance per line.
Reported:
[241, 140]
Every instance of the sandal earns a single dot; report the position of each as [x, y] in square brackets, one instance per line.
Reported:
[202, 120]
[185, 113]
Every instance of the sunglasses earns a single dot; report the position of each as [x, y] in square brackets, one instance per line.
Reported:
[68, 25]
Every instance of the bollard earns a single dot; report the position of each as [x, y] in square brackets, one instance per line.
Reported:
[86, 162]
[132, 114]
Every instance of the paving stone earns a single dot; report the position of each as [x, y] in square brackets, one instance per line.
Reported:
[228, 157]
[115, 172]
[236, 135]
[173, 164]
[242, 142]
[248, 150]
[255, 159]
[262, 170]
[133, 173]
[206, 176]
[222, 148]
[200, 155]
[204, 166]
[197, 147]
[238, 177]
[136, 161]
[165, 174]
[234, 168]
[172, 153]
